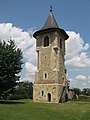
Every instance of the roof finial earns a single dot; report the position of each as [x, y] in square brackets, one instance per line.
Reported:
[50, 6]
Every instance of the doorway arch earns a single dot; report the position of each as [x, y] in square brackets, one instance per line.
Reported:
[49, 97]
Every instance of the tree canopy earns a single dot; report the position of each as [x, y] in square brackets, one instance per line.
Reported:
[10, 65]
[24, 90]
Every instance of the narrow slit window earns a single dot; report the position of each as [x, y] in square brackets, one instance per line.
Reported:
[38, 59]
[45, 75]
[61, 43]
[42, 93]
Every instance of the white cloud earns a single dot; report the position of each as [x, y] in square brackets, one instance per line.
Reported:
[30, 54]
[30, 67]
[80, 77]
[80, 61]
[76, 52]
[26, 42]
[76, 55]
[80, 81]
[75, 44]
[28, 77]
[22, 39]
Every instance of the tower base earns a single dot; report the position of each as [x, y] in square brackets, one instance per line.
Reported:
[48, 93]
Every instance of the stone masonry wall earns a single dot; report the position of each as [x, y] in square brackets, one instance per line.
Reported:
[54, 90]
[50, 75]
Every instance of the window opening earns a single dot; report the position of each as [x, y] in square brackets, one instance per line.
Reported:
[45, 75]
[49, 97]
[42, 93]
[61, 43]
[46, 41]
[38, 59]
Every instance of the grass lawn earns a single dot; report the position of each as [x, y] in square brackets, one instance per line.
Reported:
[28, 110]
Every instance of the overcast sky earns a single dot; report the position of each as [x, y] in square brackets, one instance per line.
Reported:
[20, 18]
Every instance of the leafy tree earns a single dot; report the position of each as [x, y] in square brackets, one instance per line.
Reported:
[86, 91]
[77, 91]
[10, 66]
[24, 90]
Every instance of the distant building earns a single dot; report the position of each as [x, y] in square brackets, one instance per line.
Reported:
[50, 78]
[70, 94]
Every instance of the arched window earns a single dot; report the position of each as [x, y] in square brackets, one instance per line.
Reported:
[46, 41]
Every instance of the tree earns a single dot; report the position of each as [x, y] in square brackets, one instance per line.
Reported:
[86, 91]
[10, 66]
[77, 91]
[24, 90]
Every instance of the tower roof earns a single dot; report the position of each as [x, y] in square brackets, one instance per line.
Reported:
[50, 22]
[51, 25]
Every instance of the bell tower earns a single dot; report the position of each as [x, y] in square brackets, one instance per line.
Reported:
[50, 77]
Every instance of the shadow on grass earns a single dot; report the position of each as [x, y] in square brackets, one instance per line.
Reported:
[10, 102]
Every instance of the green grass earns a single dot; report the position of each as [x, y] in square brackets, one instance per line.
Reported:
[28, 110]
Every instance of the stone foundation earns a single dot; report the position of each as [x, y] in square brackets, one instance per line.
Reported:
[47, 93]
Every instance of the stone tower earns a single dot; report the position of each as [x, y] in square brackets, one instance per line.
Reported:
[50, 78]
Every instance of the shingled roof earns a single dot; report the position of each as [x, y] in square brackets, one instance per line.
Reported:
[50, 25]
[50, 22]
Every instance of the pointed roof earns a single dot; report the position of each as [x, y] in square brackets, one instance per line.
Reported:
[50, 22]
[50, 25]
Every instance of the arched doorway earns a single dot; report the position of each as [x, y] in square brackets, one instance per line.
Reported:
[49, 97]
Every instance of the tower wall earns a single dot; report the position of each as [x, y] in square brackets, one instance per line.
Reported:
[41, 92]
[50, 62]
